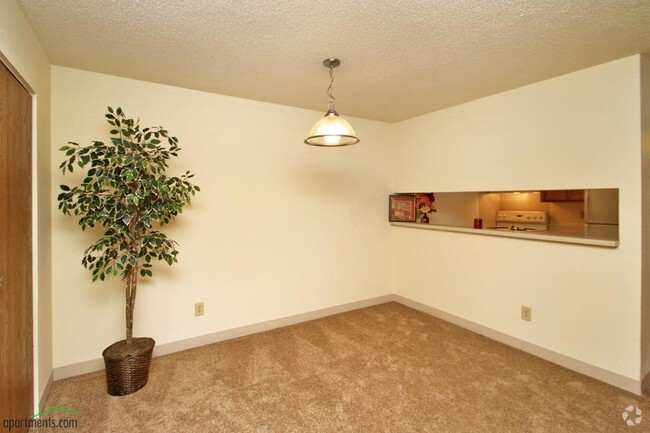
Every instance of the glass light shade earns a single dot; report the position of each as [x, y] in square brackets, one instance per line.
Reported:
[331, 131]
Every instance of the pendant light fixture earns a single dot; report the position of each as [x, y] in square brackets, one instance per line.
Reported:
[332, 130]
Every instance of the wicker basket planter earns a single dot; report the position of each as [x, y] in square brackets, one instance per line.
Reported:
[127, 365]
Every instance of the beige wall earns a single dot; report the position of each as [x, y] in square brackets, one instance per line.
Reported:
[579, 130]
[279, 228]
[645, 158]
[24, 54]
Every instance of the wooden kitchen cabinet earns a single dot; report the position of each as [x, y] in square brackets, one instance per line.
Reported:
[563, 195]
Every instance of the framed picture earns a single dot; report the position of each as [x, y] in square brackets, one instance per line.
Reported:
[401, 207]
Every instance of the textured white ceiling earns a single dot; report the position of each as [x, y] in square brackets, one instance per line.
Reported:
[400, 58]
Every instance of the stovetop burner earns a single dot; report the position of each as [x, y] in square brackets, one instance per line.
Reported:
[515, 228]
[521, 221]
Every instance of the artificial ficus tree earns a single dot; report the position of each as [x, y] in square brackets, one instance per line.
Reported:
[126, 192]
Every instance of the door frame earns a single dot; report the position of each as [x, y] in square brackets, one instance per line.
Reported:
[36, 401]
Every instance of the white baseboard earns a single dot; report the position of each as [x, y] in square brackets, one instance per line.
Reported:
[190, 343]
[645, 383]
[46, 393]
[601, 374]
[598, 373]
[78, 369]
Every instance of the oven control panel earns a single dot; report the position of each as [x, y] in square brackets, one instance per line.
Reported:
[522, 217]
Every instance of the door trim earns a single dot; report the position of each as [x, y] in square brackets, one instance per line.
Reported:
[5, 61]
[38, 399]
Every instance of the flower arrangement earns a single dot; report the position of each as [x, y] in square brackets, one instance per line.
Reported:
[425, 202]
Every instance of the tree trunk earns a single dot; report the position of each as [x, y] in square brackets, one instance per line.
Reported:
[132, 281]
[131, 290]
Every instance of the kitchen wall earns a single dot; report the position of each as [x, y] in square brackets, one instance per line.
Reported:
[558, 212]
[459, 209]
[456, 209]
[22, 52]
[579, 130]
[279, 228]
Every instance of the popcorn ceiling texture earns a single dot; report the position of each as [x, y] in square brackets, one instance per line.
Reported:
[400, 58]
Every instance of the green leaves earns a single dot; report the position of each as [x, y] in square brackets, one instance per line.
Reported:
[126, 191]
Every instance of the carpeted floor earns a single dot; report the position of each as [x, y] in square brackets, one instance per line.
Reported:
[386, 368]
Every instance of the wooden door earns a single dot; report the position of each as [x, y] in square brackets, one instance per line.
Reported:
[16, 341]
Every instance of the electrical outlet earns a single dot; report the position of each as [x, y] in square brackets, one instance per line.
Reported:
[198, 309]
[526, 313]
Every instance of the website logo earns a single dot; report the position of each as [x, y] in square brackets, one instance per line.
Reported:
[37, 421]
[54, 409]
[632, 415]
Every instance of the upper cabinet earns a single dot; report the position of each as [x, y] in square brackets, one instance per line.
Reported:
[563, 195]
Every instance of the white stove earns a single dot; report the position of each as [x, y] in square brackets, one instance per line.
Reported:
[521, 220]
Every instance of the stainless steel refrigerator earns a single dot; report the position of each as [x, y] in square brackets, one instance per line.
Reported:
[601, 206]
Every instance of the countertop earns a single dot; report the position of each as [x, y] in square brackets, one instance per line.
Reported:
[584, 234]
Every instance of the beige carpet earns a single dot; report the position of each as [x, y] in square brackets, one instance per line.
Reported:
[386, 368]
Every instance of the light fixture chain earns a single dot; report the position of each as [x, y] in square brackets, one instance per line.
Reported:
[331, 130]
[330, 90]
